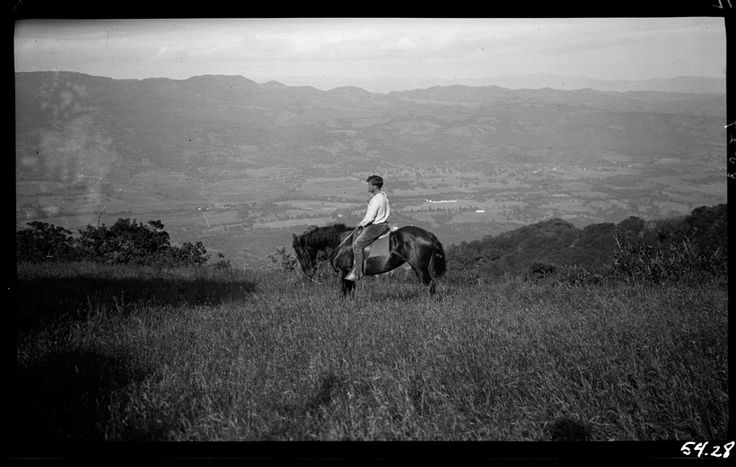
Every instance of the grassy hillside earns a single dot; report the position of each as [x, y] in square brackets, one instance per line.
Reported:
[555, 242]
[146, 353]
[141, 354]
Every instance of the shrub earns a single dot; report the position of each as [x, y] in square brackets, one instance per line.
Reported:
[189, 253]
[125, 242]
[632, 224]
[283, 260]
[44, 242]
[538, 271]
[639, 260]
[222, 263]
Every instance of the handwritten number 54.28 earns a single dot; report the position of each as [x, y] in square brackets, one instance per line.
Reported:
[700, 449]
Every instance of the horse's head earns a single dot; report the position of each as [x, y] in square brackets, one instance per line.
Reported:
[304, 255]
[319, 244]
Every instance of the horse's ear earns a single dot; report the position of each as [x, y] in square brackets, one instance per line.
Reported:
[298, 240]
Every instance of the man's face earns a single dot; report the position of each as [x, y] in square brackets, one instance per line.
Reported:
[372, 189]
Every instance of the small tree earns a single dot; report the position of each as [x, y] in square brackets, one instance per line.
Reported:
[222, 262]
[189, 253]
[44, 242]
[124, 242]
[633, 225]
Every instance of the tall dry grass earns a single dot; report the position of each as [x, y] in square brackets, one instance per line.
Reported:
[268, 356]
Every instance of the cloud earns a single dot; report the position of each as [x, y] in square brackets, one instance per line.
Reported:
[473, 47]
[167, 53]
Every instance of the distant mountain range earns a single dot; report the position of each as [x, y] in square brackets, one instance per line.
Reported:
[684, 84]
[74, 126]
[687, 84]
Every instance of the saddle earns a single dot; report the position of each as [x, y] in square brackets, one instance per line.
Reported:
[381, 245]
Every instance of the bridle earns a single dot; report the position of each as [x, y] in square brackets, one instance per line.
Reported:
[316, 263]
[308, 253]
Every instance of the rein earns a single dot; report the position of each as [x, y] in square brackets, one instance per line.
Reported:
[337, 248]
[317, 263]
[346, 238]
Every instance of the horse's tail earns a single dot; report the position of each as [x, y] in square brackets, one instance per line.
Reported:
[437, 264]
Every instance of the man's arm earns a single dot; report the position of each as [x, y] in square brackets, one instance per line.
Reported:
[370, 214]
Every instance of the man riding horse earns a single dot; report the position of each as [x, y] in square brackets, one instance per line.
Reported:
[374, 224]
[411, 245]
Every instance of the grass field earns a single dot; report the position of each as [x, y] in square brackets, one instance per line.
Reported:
[124, 353]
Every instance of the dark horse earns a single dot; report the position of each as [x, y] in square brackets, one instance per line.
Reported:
[412, 245]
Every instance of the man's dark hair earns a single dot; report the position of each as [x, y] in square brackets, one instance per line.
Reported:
[375, 180]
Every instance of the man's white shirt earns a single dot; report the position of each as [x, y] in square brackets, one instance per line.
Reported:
[378, 210]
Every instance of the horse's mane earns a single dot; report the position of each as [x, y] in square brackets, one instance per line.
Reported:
[325, 236]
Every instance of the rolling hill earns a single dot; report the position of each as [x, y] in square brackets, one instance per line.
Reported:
[555, 242]
[209, 121]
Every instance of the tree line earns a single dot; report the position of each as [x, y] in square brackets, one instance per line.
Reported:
[125, 242]
[634, 248]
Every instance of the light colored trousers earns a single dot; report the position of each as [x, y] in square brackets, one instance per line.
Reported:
[368, 235]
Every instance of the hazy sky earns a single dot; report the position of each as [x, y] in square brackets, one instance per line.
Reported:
[365, 49]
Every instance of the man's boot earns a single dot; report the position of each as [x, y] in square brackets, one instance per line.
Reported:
[357, 272]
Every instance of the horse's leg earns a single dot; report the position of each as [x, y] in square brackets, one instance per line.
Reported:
[432, 287]
[347, 287]
[429, 282]
[422, 271]
[343, 262]
[409, 254]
